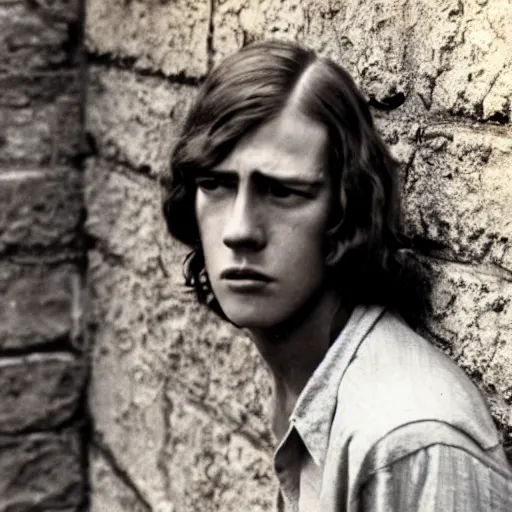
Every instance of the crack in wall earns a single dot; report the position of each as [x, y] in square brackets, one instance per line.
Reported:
[490, 270]
[167, 408]
[428, 120]
[104, 450]
[210, 42]
[111, 60]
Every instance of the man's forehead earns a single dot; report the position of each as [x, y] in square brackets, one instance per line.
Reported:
[289, 146]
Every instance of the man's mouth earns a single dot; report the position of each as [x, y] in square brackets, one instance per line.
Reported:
[244, 274]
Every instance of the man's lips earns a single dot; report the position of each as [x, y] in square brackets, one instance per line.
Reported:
[244, 274]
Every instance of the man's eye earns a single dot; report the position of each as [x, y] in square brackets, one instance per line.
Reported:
[210, 184]
[280, 191]
[207, 183]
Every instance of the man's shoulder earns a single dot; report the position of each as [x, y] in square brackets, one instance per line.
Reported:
[397, 378]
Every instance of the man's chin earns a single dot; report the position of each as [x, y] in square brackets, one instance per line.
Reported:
[252, 320]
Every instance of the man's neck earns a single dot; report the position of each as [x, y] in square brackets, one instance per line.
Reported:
[292, 353]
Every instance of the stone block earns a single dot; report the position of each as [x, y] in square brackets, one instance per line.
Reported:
[471, 320]
[136, 119]
[444, 57]
[457, 191]
[464, 53]
[41, 472]
[39, 391]
[39, 210]
[40, 119]
[163, 37]
[39, 305]
[33, 39]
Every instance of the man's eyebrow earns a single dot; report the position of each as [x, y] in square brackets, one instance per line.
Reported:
[292, 181]
[217, 173]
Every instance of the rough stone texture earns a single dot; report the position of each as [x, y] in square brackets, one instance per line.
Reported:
[41, 472]
[459, 196]
[39, 392]
[181, 399]
[464, 52]
[134, 118]
[42, 385]
[38, 304]
[455, 187]
[40, 210]
[167, 37]
[472, 321]
[54, 11]
[40, 119]
[447, 57]
[124, 214]
[34, 40]
[213, 464]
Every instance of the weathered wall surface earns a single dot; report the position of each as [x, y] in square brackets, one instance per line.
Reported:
[42, 362]
[179, 399]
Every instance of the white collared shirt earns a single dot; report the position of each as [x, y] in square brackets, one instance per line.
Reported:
[387, 422]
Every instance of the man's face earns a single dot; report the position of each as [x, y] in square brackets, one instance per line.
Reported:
[262, 216]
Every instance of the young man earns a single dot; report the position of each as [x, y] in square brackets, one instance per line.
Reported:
[289, 200]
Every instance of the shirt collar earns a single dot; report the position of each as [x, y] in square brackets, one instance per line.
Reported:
[315, 407]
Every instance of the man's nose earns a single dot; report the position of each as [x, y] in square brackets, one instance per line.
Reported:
[244, 227]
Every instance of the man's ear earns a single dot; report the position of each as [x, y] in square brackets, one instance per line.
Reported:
[335, 251]
[337, 248]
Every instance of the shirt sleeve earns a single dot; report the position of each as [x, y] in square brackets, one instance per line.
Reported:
[438, 478]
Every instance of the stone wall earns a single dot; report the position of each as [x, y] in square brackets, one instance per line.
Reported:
[42, 357]
[179, 399]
